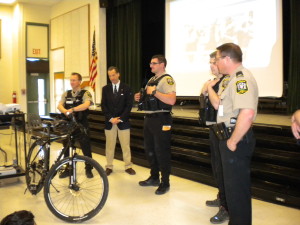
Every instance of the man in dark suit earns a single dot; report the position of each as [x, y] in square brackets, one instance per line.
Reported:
[116, 104]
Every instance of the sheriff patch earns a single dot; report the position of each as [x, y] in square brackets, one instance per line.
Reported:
[170, 81]
[241, 87]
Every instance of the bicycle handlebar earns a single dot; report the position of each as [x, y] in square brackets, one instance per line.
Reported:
[70, 124]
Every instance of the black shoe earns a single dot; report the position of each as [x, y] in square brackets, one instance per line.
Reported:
[108, 171]
[220, 217]
[88, 173]
[64, 173]
[130, 171]
[162, 189]
[149, 182]
[213, 203]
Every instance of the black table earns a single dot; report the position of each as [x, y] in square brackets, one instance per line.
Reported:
[17, 120]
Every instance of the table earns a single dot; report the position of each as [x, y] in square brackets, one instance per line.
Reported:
[17, 120]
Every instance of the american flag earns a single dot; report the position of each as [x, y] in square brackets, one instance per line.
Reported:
[93, 66]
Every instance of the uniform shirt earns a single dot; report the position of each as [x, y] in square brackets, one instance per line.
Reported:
[86, 97]
[240, 93]
[222, 85]
[166, 85]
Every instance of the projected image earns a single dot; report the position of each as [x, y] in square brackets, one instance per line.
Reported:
[196, 27]
[238, 30]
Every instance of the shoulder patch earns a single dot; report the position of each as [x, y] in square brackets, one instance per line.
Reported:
[170, 80]
[225, 81]
[89, 94]
[239, 74]
[241, 87]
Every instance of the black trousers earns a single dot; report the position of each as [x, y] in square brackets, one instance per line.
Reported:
[157, 144]
[83, 139]
[236, 178]
[216, 164]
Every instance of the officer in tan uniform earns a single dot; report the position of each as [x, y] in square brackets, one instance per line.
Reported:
[78, 101]
[209, 116]
[237, 108]
[157, 100]
[296, 125]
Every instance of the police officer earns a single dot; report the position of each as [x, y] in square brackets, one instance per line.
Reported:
[157, 101]
[296, 125]
[237, 108]
[78, 101]
[210, 116]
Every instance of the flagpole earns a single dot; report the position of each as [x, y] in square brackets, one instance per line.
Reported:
[95, 81]
[93, 68]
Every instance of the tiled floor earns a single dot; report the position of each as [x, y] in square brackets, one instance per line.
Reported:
[130, 204]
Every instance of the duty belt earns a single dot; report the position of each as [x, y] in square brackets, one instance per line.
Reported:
[221, 131]
[156, 114]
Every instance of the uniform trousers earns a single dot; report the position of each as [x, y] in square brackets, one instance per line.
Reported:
[84, 141]
[237, 182]
[157, 144]
[216, 164]
[111, 139]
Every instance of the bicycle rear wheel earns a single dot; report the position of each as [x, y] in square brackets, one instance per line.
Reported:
[36, 168]
[81, 200]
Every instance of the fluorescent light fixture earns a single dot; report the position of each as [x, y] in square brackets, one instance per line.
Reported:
[7, 1]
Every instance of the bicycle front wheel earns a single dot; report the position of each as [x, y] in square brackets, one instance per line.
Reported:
[76, 198]
[36, 166]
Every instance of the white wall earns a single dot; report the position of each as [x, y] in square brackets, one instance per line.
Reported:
[12, 62]
[97, 22]
[13, 47]
[6, 81]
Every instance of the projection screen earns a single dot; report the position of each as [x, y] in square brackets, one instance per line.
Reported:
[194, 28]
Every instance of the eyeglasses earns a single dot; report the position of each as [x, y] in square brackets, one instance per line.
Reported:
[222, 57]
[154, 63]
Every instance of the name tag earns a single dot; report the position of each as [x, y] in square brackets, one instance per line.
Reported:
[166, 127]
[69, 102]
[221, 110]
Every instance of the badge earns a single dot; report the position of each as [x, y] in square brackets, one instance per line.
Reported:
[241, 87]
[89, 94]
[239, 74]
[170, 81]
[225, 81]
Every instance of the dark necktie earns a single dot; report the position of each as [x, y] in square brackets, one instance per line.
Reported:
[115, 91]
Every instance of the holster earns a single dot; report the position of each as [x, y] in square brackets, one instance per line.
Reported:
[221, 131]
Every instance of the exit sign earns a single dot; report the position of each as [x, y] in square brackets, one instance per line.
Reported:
[36, 51]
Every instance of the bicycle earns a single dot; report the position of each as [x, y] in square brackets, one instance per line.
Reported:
[77, 198]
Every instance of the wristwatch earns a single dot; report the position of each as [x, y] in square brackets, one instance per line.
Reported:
[153, 92]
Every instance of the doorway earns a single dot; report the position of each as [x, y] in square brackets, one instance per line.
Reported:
[38, 87]
[38, 93]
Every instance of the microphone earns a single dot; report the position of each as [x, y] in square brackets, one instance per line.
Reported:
[142, 91]
[140, 102]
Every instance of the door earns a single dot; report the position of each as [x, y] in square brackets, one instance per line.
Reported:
[38, 93]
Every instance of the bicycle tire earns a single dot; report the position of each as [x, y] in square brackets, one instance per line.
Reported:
[36, 167]
[73, 205]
